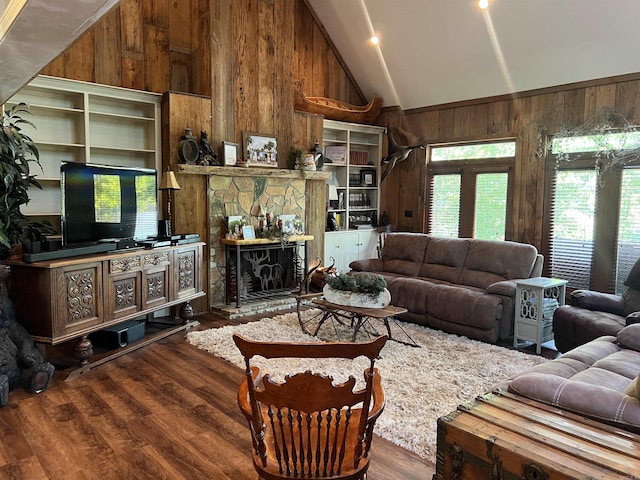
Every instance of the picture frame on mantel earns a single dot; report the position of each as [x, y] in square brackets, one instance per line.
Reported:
[260, 150]
[230, 152]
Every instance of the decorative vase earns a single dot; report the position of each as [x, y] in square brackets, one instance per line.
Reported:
[355, 299]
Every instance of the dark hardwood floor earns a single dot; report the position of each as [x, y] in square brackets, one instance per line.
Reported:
[165, 411]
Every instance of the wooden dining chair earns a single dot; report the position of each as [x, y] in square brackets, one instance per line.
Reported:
[307, 426]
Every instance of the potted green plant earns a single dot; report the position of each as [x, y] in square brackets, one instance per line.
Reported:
[17, 151]
[357, 290]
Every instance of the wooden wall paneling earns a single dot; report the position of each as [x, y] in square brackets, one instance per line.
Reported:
[132, 26]
[307, 127]
[411, 181]
[498, 117]
[157, 65]
[156, 12]
[79, 60]
[283, 74]
[108, 53]
[317, 84]
[573, 108]
[303, 51]
[446, 126]
[478, 121]
[461, 121]
[533, 189]
[246, 61]
[180, 72]
[267, 25]
[518, 125]
[182, 28]
[633, 100]
[201, 49]
[190, 213]
[222, 85]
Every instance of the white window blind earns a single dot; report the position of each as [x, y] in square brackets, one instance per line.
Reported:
[445, 205]
[490, 206]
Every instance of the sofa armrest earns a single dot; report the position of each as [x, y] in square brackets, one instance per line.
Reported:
[602, 302]
[367, 265]
[632, 318]
[506, 288]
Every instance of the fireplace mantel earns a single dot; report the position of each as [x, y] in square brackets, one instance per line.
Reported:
[253, 172]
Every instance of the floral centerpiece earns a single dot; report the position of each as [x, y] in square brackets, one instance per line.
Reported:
[357, 290]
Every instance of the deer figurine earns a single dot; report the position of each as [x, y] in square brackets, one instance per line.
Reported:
[266, 273]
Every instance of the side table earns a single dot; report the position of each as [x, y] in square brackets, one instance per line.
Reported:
[536, 300]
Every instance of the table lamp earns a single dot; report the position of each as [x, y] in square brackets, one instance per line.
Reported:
[169, 183]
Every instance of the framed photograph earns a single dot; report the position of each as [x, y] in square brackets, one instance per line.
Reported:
[368, 178]
[234, 225]
[336, 154]
[288, 225]
[260, 150]
[230, 152]
[248, 233]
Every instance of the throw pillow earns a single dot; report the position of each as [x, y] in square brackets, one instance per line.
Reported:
[633, 389]
[629, 337]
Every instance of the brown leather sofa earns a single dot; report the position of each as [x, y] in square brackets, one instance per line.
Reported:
[598, 380]
[591, 314]
[459, 285]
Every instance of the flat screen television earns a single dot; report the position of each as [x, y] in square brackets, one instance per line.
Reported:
[102, 202]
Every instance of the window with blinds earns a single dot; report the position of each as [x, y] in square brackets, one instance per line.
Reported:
[572, 233]
[592, 224]
[469, 190]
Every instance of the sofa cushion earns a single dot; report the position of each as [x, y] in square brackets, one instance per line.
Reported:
[403, 253]
[444, 258]
[589, 380]
[409, 293]
[484, 267]
[465, 306]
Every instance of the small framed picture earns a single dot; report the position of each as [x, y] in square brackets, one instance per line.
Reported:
[260, 150]
[234, 225]
[248, 233]
[336, 154]
[230, 152]
[368, 178]
[287, 223]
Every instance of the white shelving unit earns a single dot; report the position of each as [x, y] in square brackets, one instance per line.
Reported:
[356, 151]
[86, 122]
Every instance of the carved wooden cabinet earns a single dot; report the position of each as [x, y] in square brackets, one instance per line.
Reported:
[59, 300]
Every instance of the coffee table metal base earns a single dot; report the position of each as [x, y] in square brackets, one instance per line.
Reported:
[357, 319]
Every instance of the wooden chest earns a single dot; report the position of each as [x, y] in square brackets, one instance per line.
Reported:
[506, 437]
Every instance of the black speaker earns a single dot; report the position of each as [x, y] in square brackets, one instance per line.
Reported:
[164, 228]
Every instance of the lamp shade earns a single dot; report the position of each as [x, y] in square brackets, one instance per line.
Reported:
[168, 181]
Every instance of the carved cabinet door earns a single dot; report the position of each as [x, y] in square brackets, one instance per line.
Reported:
[186, 272]
[123, 290]
[155, 278]
[79, 298]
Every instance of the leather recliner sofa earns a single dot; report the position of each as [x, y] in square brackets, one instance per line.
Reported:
[592, 314]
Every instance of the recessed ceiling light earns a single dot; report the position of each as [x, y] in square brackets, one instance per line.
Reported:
[374, 40]
[483, 4]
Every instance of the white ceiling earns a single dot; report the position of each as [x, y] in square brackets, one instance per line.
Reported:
[440, 51]
[42, 29]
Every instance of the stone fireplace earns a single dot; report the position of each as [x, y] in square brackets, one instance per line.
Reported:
[249, 191]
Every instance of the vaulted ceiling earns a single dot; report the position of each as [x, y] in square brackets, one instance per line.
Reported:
[34, 32]
[433, 52]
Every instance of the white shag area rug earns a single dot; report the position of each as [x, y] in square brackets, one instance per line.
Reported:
[421, 384]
